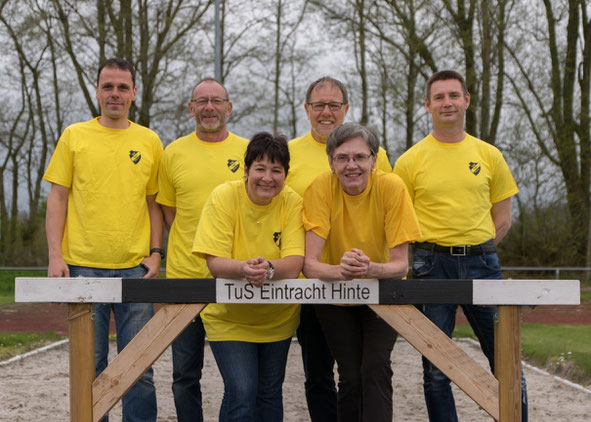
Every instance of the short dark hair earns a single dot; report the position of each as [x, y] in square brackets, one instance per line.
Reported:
[347, 131]
[117, 63]
[209, 79]
[330, 81]
[444, 75]
[264, 144]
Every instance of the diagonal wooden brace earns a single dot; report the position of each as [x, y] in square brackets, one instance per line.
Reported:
[431, 342]
[140, 353]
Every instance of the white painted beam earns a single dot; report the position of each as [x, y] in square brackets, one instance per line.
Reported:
[68, 290]
[526, 292]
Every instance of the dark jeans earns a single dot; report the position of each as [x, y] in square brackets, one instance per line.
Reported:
[253, 376]
[361, 343]
[435, 265]
[139, 403]
[187, 364]
[321, 391]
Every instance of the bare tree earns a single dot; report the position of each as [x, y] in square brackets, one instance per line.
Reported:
[150, 34]
[396, 25]
[556, 102]
[348, 19]
[491, 19]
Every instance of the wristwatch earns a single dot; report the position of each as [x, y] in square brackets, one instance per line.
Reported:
[160, 251]
[270, 271]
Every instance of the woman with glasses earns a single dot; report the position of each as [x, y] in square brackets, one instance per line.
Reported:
[252, 230]
[358, 223]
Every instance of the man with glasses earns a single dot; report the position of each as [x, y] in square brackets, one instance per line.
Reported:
[191, 167]
[326, 106]
[461, 188]
[102, 218]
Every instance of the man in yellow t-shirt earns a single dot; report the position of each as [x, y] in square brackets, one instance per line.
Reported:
[461, 188]
[327, 103]
[102, 218]
[191, 167]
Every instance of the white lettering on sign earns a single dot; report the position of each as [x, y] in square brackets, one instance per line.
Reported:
[299, 290]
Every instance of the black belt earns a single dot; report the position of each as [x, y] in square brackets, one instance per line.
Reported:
[460, 250]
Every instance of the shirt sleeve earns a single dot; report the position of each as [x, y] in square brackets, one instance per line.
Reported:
[152, 186]
[293, 238]
[401, 224]
[317, 206]
[383, 163]
[401, 170]
[215, 232]
[60, 168]
[503, 185]
[166, 191]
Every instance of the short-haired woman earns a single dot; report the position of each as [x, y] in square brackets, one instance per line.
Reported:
[358, 223]
[252, 230]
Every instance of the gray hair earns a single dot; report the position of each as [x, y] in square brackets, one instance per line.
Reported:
[348, 131]
[327, 80]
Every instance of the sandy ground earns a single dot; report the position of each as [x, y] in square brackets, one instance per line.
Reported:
[36, 389]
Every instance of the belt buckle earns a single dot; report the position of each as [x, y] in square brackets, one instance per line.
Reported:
[457, 250]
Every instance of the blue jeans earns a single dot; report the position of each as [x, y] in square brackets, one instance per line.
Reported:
[435, 265]
[321, 391]
[253, 376]
[139, 404]
[187, 363]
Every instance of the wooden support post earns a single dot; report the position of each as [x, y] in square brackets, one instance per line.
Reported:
[82, 367]
[139, 354]
[508, 362]
[431, 342]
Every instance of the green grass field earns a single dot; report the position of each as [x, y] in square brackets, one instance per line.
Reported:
[562, 349]
[12, 344]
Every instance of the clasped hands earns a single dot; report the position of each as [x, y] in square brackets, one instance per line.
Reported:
[354, 264]
[256, 271]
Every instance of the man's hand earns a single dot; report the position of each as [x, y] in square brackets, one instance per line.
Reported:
[58, 268]
[152, 263]
[354, 264]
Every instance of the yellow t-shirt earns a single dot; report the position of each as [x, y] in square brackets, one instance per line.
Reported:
[190, 169]
[232, 226]
[379, 218]
[109, 173]
[453, 187]
[308, 159]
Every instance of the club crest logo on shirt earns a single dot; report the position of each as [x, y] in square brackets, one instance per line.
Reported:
[277, 239]
[474, 168]
[135, 156]
[233, 165]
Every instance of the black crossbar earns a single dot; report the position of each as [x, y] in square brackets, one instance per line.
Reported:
[392, 292]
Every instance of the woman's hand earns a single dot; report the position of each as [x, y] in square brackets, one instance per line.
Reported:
[255, 271]
[354, 264]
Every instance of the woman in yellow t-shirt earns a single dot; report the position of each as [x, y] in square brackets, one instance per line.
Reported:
[358, 223]
[252, 230]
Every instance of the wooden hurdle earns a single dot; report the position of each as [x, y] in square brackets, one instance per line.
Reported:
[500, 397]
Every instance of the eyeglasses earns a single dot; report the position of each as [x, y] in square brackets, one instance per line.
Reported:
[332, 106]
[215, 101]
[357, 158]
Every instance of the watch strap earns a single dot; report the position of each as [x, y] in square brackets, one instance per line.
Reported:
[159, 250]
